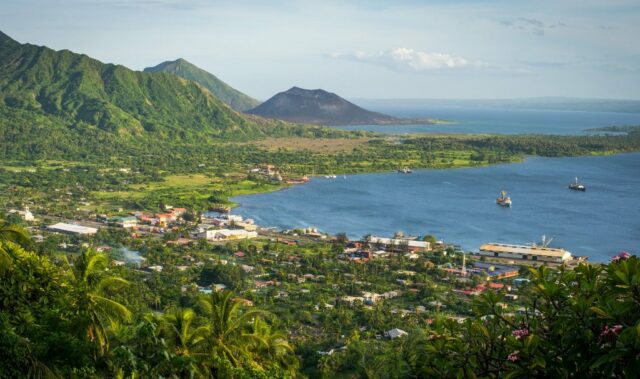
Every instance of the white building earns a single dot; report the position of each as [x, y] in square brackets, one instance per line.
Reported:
[26, 214]
[227, 234]
[395, 333]
[524, 252]
[72, 229]
[399, 243]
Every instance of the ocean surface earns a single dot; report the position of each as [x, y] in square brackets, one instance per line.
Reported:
[498, 120]
[458, 205]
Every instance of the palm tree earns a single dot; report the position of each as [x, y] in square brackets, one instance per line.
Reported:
[13, 233]
[229, 330]
[274, 346]
[184, 338]
[91, 302]
[11, 237]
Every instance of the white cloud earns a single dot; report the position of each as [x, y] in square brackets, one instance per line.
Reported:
[402, 58]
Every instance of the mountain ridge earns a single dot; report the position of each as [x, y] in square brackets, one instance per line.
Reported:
[64, 104]
[223, 91]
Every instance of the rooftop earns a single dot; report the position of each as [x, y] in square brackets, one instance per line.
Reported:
[524, 249]
[72, 228]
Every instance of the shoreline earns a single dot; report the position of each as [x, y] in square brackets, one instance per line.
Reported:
[444, 232]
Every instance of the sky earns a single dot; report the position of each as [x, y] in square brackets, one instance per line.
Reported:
[361, 48]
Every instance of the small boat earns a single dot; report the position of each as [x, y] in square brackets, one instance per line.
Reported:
[503, 199]
[330, 176]
[405, 170]
[577, 186]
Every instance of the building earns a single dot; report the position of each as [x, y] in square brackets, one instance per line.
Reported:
[227, 234]
[399, 244]
[526, 253]
[395, 333]
[26, 214]
[165, 219]
[487, 271]
[125, 222]
[62, 227]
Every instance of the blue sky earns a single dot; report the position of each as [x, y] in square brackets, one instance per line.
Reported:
[359, 49]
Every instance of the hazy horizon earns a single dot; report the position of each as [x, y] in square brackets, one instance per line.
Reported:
[406, 49]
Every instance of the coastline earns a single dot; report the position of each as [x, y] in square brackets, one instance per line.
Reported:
[542, 205]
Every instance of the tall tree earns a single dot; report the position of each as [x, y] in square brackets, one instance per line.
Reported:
[230, 335]
[91, 300]
[186, 340]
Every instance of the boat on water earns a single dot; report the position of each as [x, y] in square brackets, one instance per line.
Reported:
[577, 186]
[405, 170]
[503, 199]
[332, 176]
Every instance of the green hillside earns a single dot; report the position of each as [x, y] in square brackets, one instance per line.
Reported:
[232, 97]
[59, 104]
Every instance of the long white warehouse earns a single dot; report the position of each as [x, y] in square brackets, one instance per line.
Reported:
[72, 229]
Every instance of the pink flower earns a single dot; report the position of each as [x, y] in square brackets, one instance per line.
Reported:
[623, 256]
[514, 357]
[610, 334]
[521, 333]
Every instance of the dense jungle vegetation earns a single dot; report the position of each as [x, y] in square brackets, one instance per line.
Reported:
[79, 316]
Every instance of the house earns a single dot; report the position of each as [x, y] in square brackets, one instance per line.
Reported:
[245, 302]
[395, 333]
[156, 268]
[179, 241]
[391, 294]
[371, 297]
[359, 256]
[352, 299]
[124, 222]
[261, 284]
[177, 212]
[380, 254]
[165, 219]
[72, 229]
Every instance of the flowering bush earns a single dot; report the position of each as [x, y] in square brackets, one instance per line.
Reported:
[521, 333]
[623, 256]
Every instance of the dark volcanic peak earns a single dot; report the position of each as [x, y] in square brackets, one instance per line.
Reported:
[317, 107]
[229, 95]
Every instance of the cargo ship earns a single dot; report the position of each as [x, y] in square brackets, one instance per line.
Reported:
[577, 186]
[503, 199]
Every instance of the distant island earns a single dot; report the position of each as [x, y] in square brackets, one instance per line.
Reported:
[324, 108]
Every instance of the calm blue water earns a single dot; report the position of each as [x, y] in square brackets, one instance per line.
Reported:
[499, 121]
[458, 205]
